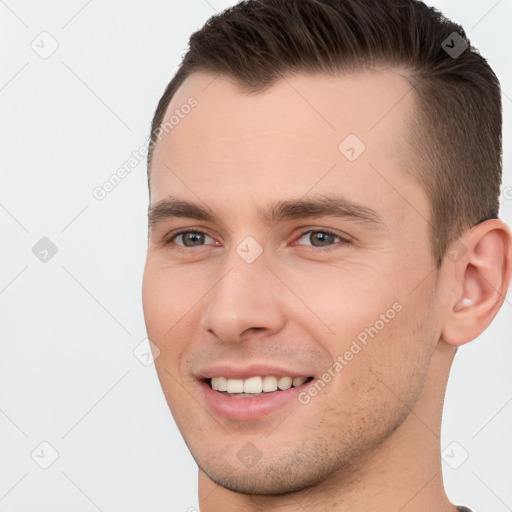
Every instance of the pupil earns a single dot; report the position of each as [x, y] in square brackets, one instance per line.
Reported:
[193, 239]
[323, 238]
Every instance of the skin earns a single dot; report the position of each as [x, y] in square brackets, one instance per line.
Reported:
[370, 439]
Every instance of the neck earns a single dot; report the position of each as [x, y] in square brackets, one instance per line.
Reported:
[402, 474]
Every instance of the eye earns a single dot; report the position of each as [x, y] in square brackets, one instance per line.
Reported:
[190, 238]
[320, 238]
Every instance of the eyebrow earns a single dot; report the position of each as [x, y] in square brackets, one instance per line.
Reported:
[171, 207]
[290, 209]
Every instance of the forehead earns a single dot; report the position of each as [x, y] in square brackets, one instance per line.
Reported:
[303, 132]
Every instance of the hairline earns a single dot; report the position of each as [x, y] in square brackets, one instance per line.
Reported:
[405, 72]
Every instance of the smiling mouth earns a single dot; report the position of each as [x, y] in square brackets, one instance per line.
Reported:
[254, 386]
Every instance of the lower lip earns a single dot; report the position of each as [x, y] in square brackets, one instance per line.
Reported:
[234, 408]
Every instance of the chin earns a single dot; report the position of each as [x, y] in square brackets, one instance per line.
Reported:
[276, 475]
[261, 483]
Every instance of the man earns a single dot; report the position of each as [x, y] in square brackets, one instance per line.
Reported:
[324, 180]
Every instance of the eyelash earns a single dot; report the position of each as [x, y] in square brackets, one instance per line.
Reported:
[342, 240]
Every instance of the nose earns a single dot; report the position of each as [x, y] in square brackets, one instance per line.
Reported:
[244, 301]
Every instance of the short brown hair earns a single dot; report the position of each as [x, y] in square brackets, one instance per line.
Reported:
[455, 140]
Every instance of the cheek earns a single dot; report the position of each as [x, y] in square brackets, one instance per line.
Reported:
[163, 307]
[167, 297]
[379, 334]
[172, 306]
[154, 301]
[381, 379]
[399, 355]
[343, 302]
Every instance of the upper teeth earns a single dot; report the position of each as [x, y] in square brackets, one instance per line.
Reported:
[255, 384]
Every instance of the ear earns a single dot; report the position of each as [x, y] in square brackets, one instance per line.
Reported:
[483, 274]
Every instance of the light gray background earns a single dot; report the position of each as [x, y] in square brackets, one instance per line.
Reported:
[68, 327]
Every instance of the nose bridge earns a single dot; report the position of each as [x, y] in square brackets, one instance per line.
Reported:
[243, 298]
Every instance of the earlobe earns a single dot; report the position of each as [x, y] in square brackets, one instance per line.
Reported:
[483, 275]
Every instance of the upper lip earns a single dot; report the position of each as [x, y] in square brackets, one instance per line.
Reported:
[237, 371]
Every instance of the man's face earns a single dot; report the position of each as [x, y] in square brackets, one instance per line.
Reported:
[266, 288]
